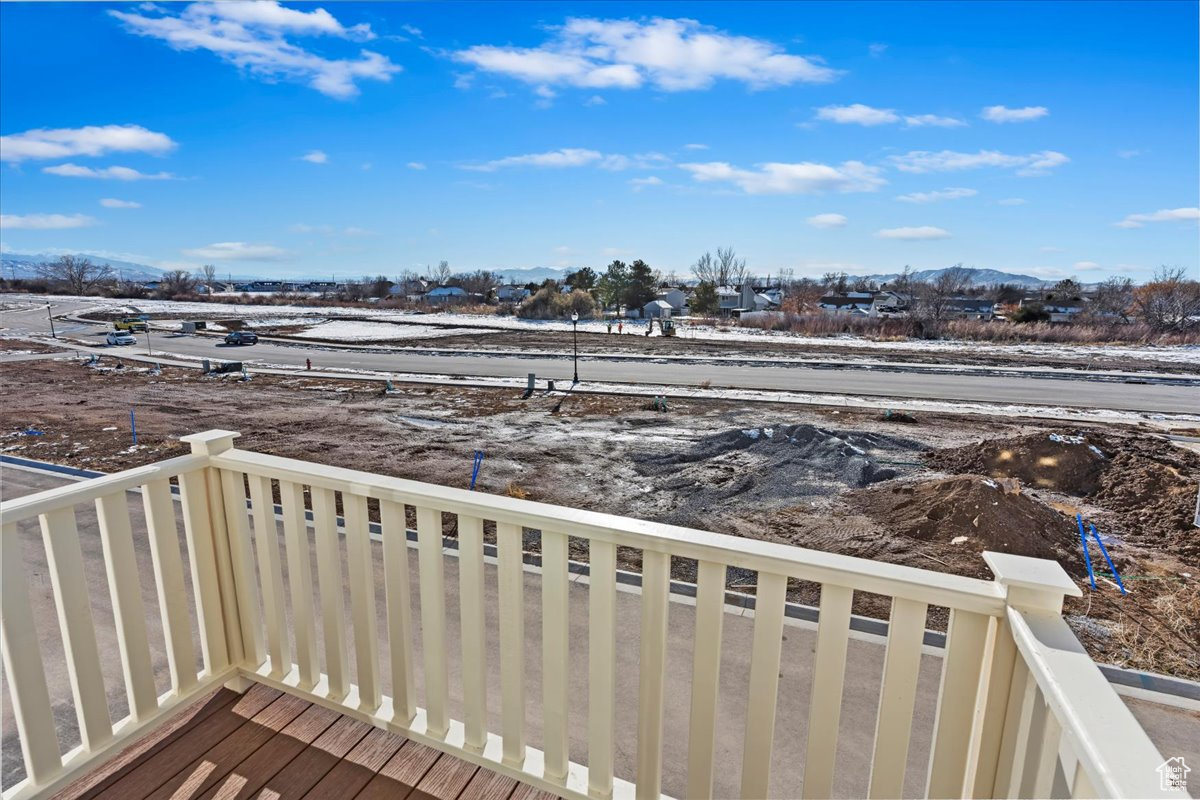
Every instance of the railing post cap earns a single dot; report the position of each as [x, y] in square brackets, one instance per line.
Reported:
[1030, 576]
[210, 442]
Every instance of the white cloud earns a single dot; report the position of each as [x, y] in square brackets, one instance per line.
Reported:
[93, 140]
[112, 202]
[953, 193]
[668, 54]
[1005, 114]
[695, 146]
[595, 100]
[858, 114]
[253, 37]
[922, 233]
[573, 157]
[1086, 266]
[932, 121]
[416, 165]
[1128, 153]
[803, 178]
[44, 222]
[948, 160]
[1050, 249]
[1012, 201]
[237, 251]
[640, 183]
[315, 157]
[412, 30]
[114, 173]
[877, 49]
[1163, 215]
[827, 221]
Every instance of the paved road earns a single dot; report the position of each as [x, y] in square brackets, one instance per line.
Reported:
[1006, 389]
[1174, 731]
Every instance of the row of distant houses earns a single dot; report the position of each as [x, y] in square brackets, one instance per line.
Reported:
[891, 304]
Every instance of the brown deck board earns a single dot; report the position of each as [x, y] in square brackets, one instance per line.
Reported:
[401, 773]
[307, 769]
[208, 769]
[272, 744]
[152, 772]
[445, 779]
[119, 766]
[274, 756]
[526, 792]
[358, 767]
[488, 785]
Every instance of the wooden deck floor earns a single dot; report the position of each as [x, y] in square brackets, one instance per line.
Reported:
[269, 744]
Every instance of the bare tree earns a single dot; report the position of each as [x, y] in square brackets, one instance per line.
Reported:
[726, 269]
[934, 298]
[208, 274]
[378, 286]
[77, 275]
[1170, 302]
[176, 283]
[479, 282]
[1113, 299]
[442, 273]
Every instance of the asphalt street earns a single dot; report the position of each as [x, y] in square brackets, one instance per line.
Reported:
[1011, 388]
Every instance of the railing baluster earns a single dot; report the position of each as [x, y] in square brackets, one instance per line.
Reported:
[902, 664]
[241, 561]
[706, 677]
[396, 587]
[652, 668]
[266, 540]
[168, 578]
[958, 706]
[65, 565]
[555, 598]
[1017, 724]
[1002, 662]
[198, 530]
[362, 601]
[769, 599]
[602, 660]
[129, 613]
[474, 641]
[825, 699]
[433, 619]
[511, 580]
[329, 580]
[23, 668]
[295, 532]
[1041, 750]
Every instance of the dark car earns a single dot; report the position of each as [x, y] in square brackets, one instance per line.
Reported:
[242, 337]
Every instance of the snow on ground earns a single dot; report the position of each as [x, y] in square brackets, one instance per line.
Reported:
[355, 331]
[1185, 354]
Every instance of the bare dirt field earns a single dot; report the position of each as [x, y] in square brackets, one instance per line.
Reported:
[932, 491]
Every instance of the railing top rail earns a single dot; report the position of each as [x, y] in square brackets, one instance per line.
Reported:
[862, 574]
[32, 505]
[1114, 750]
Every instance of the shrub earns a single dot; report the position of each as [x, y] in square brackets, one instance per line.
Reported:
[549, 303]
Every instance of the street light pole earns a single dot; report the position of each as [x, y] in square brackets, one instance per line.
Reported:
[575, 335]
[149, 352]
[50, 314]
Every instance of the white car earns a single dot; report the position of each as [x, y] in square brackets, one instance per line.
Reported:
[120, 337]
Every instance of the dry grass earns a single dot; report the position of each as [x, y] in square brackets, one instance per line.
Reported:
[514, 490]
[965, 329]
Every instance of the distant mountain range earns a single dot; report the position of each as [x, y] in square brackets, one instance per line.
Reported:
[22, 265]
[979, 277]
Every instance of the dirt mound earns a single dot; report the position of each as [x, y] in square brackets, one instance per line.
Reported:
[1153, 484]
[771, 467]
[1071, 464]
[992, 515]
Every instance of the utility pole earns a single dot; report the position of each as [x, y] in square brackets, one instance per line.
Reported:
[50, 314]
[149, 352]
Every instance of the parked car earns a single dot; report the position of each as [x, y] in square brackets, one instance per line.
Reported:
[242, 337]
[120, 337]
[130, 324]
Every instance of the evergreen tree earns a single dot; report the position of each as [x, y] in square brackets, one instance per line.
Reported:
[611, 286]
[642, 286]
[705, 300]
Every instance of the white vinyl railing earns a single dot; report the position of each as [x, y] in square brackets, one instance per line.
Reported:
[1021, 710]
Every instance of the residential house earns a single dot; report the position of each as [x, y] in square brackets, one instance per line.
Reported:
[750, 299]
[970, 308]
[728, 299]
[657, 309]
[847, 303]
[446, 294]
[676, 298]
[511, 293]
[889, 304]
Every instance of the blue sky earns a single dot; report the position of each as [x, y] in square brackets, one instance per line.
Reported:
[1052, 139]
